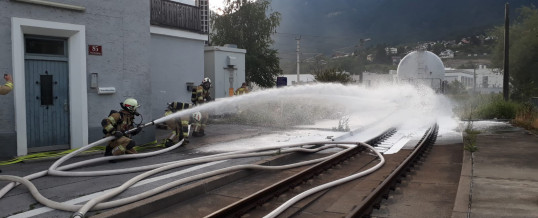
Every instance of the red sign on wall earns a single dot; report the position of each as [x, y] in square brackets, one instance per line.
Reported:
[95, 50]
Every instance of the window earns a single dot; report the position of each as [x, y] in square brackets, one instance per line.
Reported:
[34, 45]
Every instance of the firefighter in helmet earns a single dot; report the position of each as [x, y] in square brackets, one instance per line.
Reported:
[6, 88]
[200, 95]
[179, 125]
[117, 123]
[242, 90]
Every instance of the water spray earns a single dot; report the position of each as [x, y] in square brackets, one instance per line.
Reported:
[349, 98]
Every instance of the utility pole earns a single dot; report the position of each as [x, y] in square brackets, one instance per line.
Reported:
[474, 79]
[298, 60]
[506, 76]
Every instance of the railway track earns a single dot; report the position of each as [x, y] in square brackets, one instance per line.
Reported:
[356, 198]
[263, 202]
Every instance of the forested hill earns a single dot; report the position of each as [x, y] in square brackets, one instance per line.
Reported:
[386, 21]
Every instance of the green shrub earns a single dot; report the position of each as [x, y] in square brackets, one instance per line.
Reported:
[497, 108]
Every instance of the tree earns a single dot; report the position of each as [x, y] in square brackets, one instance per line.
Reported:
[455, 88]
[437, 48]
[523, 53]
[332, 75]
[381, 56]
[246, 24]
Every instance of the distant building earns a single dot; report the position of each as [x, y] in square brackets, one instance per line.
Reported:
[303, 79]
[370, 57]
[340, 55]
[371, 79]
[396, 60]
[390, 50]
[447, 54]
[487, 80]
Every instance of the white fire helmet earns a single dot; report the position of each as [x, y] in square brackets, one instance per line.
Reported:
[131, 104]
[197, 116]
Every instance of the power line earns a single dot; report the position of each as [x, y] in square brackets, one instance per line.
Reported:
[319, 36]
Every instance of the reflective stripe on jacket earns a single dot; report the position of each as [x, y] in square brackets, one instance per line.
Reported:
[240, 91]
[199, 95]
[6, 88]
[119, 122]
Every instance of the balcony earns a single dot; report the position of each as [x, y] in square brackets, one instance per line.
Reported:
[175, 15]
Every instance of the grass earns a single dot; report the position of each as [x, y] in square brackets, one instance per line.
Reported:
[492, 106]
[488, 106]
[527, 117]
[469, 138]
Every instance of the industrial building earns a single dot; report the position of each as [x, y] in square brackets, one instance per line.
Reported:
[481, 79]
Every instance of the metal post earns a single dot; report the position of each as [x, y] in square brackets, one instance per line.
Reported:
[506, 76]
[231, 89]
[474, 79]
[298, 51]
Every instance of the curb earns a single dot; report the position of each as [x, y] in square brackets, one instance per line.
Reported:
[462, 202]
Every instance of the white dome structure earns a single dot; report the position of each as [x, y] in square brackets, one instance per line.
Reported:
[422, 67]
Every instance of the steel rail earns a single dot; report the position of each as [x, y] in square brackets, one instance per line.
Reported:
[241, 207]
[373, 200]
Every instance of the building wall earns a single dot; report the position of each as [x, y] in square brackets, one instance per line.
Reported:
[121, 28]
[171, 73]
[217, 69]
[466, 77]
[375, 79]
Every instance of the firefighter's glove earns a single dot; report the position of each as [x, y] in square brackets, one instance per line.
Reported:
[118, 134]
[168, 143]
[136, 131]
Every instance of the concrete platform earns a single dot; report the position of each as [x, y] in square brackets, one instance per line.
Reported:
[501, 178]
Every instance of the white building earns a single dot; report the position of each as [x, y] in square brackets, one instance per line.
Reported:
[391, 50]
[487, 80]
[370, 79]
[447, 54]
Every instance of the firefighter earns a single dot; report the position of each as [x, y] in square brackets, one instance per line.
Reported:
[117, 123]
[200, 95]
[242, 90]
[6, 88]
[178, 125]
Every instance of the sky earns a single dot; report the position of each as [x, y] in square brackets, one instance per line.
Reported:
[215, 4]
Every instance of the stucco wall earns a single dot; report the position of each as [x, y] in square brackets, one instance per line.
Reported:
[216, 69]
[182, 63]
[122, 29]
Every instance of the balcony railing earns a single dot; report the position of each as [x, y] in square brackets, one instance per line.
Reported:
[175, 15]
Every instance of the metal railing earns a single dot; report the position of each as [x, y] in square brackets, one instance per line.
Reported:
[175, 15]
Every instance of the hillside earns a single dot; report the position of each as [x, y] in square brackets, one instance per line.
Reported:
[328, 25]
